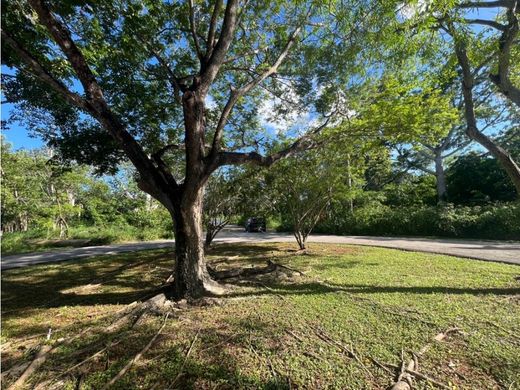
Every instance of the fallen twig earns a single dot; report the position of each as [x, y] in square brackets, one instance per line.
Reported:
[179, 374]
[137, 357]
[294, 335]
[428, 379]
[512, 334]
[403, 381]
[381, 365]
[41, 356]
[349, 351]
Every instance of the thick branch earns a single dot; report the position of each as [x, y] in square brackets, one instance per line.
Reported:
[236, 158]
[487, 4]
[486, 22]
[210, 42]
[42, 73]
[193, 29]
[238, 93]
[211, 68]
[502, 80]
[97, 105]
[505, 159]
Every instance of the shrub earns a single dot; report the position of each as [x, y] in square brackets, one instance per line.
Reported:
[494, 221]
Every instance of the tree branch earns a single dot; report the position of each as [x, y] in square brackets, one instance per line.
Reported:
[43, 74]
[303, 143]
[485, 22]
[210, 42]
[506, 160]
[502, 80]
[236, 94]
[487, 4]
[193, 29]
[98, 106]
[212, 66]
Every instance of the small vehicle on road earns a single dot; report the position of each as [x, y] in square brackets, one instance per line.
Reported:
[255, 224]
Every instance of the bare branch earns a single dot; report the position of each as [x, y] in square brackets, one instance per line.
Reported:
[193, 29]
[486, 22]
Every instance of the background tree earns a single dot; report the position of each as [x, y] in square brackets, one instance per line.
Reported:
[220, 205]
[303, 187]
[487, 182]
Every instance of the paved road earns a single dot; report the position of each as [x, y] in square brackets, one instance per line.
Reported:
[506, 252]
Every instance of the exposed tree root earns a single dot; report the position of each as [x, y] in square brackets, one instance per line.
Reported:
[241, 272]
[91, 357]
[136, 357]
[157, 304]
[348, 350]
[409, 369]
[249, 272]
[40, 358]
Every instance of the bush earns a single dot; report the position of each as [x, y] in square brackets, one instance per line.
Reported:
[494, 221]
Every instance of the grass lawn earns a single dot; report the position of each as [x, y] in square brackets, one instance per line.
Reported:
[324, 329]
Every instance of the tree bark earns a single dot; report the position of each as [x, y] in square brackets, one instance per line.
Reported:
[504, 158]
[191, 278]
[442, 192]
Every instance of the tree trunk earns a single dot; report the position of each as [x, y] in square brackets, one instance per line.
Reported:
[191, 276]
[504, 158]
[300, 238]
[442, 192]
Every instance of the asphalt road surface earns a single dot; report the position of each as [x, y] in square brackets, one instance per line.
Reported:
[499, 251]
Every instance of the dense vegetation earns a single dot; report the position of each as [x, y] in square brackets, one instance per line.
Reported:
[44, 200]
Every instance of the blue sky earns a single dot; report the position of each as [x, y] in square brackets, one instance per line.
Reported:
[18, 135]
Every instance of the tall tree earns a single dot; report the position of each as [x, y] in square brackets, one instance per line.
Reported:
[170, 86]
[487, 56]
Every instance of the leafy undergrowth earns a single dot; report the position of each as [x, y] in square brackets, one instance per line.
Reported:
[283, 330]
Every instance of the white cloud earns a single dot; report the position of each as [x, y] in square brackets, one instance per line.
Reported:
[293, 114]
[410, 10]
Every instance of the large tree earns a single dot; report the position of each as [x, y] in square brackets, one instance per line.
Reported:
[171, 86]
[486, 52]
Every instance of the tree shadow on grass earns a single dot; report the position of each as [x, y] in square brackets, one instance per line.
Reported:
[214, 361]
[111, 280]
[314, 288]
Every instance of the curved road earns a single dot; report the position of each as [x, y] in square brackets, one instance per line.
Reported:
[499, 251]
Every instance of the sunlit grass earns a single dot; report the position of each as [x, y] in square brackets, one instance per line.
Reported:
[265, 334]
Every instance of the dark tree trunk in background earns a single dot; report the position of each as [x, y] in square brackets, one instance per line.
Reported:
[440, 175]
[504, 158]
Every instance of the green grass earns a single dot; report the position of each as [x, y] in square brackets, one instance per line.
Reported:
[79, 236]
[266, 332]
